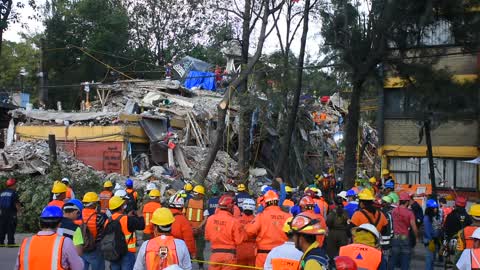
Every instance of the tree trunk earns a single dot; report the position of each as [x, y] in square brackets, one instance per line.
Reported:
[351, 136]
[1, 41]
[284, 151]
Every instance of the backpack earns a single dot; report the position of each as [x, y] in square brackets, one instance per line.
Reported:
[113, 245]
[369, 219]
[88, 239]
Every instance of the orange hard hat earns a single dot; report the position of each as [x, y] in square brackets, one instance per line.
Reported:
[270, 196]
[307, 223]
[306, 201]
[225, 202]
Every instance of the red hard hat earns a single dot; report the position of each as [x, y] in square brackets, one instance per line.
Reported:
[460, 201]
[345, 263]
[11, 182]
[225, 202]
[306, 201]
[310, 193]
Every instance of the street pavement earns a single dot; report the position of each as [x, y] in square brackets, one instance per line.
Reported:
[8, 256]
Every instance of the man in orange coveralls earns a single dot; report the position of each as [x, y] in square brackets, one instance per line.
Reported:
[246, 250]
[267, 227]
[224, 233]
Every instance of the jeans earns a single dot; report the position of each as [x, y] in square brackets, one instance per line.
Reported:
[429, 259]
[401, 253]
[8, 224]
[93, 258]
[126, 263]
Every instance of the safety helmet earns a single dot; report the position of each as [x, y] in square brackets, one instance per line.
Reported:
[59, 187]
[431, 203]
[372, 180]
[270, 196]
[390, 184]
[351, 193]
[225, 202]
[306, 223]
[317, 176]
[265, 189]
[449, 197]
[306, 201]
[199, 189]
[287, 226]
[387, 199]
[120, 193]
[342, 194]
[331, 170]
[51, 212]
[319, 193]
[370, 228]
[162, 217]
[10, 182]
[385, 172]
[474, 210]
[460, 201]
[288, 189]
[176, 201]
[129, 182]
[241, 187]
[108, 184]
[73, 204]
[65, 180]
[476, 234]
[150, 187]
[188, 187]
[366, 195]
[404, 196]
[310, 193]
[345, 263]
[90, 197]
[249, 204]
[115, 202]
[154, 193]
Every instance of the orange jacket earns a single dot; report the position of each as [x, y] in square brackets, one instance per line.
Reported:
[244, 220]
[130, 237]
[148, 210]
[181, 229]
[366, 257]
[223, 231]
[90, 215]
[132, 192]
[267, 227]
[56, 203]
[69, 193]
[152, 258]
[104, 198]
[35, 250]
[323, 205]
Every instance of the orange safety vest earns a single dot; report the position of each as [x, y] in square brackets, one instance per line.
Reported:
[68, 195]
[148, 210]
[284, 264]
[105, 196]
[194, 212]
[475, 258]
[366, 257]
[41, 252]
[323, 205]
[89, 217]
[56, 203]
[133, 193]
[130, 237]
[160, 253]
[467, 234]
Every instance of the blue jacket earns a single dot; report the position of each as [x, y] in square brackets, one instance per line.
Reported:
[351, 207]
[429, 232]
[212, 204]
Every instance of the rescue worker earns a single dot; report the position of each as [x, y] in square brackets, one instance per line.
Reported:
[373, 184]
[212, 202]
[9, 206]
[464, 238]
[70, 194]
[368, 212]
[181, 228]
[267, 227]
[59, 191]
[403, 221]
[246, 250]
[129, 223]
[458, 219]
[47, 249]
[105, 195]
[131, 193]
[224, 233]
[387, 233]
[150, 186]
[345, 263]
[337, 222]
[194, 212]
[95, 222]
[285, 256]
[321, 203]
[432, 225]
[343, 196]
[152, 204]
[164, 249]
[387, 176]
[389, 191]
[307, 205]
[445, 210]
[305, 229]
[470, 258]
[68, 228]
[365, 249]
[352, 204]
[242, 194]
[288, 202]
[187, 191]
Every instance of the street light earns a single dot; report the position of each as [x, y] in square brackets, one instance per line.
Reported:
[23, 73]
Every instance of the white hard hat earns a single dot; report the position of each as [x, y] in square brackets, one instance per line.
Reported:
[248, 204]
[476, 234]
[369, 227]
[121, 193]
[342, 194]
[319, 192]
[151, 186]
[263, 187]
[176, 201]
[65, 179]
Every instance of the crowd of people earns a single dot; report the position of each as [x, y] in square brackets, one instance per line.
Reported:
[370, 226]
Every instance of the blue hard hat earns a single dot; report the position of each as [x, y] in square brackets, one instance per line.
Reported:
[266, 189]
[390, 184]
[129, 182]
[431, 203]
[351, 193]
[75, 202]
[51, 212]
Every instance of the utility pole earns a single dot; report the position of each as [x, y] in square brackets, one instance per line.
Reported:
[43, 76]
[431, 165]
[52, 146]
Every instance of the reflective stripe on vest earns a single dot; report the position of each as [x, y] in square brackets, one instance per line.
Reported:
[130, 238]
[475, 257]
[284, 264]
[158, 246]
[366, 257]
[104, 198]
[36, 259]
[195, 212]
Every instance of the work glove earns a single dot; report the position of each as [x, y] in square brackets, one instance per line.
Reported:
[295, 210]
[316, 209]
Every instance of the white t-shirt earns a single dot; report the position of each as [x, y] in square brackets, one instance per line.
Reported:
[465, 261]
[287, 251]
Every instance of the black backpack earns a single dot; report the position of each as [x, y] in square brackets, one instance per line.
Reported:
[88, 239]
[113, 245]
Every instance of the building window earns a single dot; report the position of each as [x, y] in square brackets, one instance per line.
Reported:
[448, 172]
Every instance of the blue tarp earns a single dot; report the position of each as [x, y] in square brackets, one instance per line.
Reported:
[204, 80]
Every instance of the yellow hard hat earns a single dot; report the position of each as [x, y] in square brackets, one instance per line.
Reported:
[59, 187]
[154, 193]
[108, 184]
[385, 171]
[331, 170]
[317, 176]
[366, 195]
[287, 227]
[90, 197]
[449, 197]
[188, 187]
[162, 217]
[288, 189]
[115, 202]
[373, 180]
[241, 187]
[474, 210]
[199, 189]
